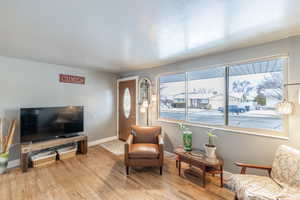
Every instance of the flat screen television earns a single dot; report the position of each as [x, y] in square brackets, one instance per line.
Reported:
[39, 124]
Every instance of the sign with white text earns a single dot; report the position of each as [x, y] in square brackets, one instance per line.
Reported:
[64, 78]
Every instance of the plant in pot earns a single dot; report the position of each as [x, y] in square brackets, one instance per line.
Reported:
[186, 137]
[5, 144]
[210, 148]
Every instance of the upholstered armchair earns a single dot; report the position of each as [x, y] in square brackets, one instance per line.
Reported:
[283, 182]
[144, 148]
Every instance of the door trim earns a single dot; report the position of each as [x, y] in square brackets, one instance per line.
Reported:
[136, 78]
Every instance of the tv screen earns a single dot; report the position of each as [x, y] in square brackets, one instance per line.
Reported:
[46, 123]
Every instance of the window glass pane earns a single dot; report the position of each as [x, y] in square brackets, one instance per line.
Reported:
[254, 91]
[206, 96]
[172, 96]
[127, 103]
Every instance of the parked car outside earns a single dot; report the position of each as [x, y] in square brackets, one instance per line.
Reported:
[233, 108]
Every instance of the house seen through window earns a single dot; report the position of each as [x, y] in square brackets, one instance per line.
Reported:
[251, 92]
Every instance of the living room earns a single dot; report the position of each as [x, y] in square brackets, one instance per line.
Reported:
[150, 100]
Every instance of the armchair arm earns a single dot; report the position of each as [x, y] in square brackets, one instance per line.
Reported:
[160, 140]
[161, 147]
[127, 145]
[129, 139]
[245, 166]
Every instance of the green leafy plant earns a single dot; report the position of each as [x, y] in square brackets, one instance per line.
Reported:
[211, 138]
[182, 127]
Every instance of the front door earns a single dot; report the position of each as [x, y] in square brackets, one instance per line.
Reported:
[127, 107]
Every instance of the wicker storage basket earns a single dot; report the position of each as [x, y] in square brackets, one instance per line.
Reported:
[66, 153]
[43, 159]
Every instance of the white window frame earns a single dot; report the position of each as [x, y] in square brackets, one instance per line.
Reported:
[253, 131]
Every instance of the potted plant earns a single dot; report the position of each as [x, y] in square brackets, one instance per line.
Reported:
[210, 148]
[3, 162]
[5, 144]
[186, 137]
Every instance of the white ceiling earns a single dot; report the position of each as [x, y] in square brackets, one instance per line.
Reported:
[122, 35]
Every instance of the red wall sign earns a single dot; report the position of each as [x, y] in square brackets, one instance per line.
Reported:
[64, 78]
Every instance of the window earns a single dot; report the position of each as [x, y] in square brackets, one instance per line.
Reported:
[206, 95]
[251, 92]
[254, 91]
[172, 96]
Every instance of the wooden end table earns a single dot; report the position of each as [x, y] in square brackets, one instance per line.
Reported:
[200, 160]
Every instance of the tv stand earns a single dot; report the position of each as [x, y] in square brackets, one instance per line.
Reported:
[27, 148]
[69, 136]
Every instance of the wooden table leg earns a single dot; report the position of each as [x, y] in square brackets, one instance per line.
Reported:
[82, 146]
[221, 168]
[203, 175]
[179, 167]
[24, 162]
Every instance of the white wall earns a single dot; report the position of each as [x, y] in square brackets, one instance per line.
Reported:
[32, 84]
[231, 145]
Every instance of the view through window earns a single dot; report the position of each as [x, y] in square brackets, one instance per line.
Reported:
[206, 94]
[172, 96]
[254, 90]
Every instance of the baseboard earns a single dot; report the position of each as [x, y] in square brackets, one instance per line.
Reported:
[97, 142]
[13, 163]
[169, 153]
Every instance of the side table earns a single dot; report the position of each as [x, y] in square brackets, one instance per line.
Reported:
[207, 165]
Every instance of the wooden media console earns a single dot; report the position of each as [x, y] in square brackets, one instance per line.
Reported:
[26, 149]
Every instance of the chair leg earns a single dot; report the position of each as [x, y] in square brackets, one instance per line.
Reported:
[127, 170]
[177, 161]
[160, 170]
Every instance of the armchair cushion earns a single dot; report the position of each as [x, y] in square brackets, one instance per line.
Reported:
[145, 134]
[289, 195]
[286, 167]
[144, 151]
[252, 187]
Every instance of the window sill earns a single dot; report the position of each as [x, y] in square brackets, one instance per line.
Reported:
[234, 130]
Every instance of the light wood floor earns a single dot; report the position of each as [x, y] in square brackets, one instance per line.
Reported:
[101, 175]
